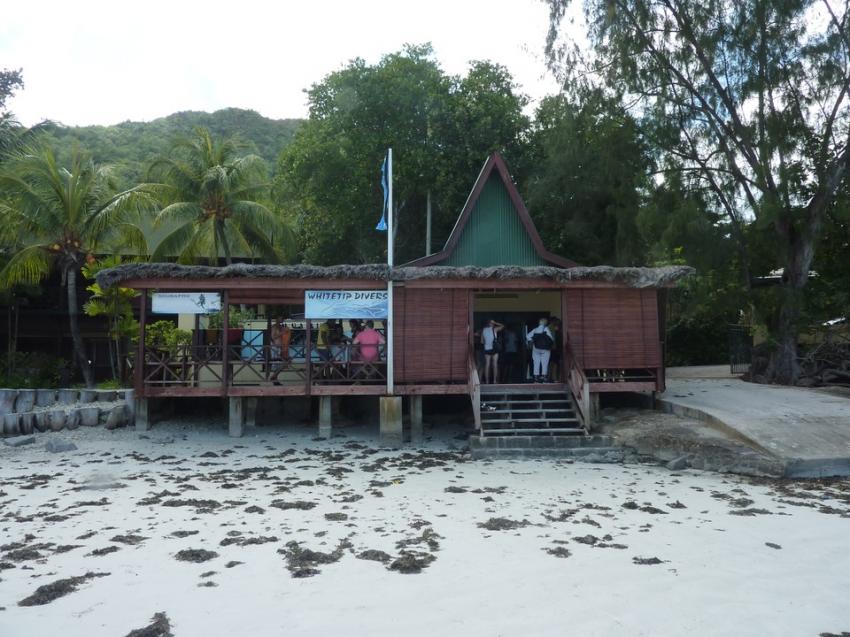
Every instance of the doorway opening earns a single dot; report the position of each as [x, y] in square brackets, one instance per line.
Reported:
[519, 311]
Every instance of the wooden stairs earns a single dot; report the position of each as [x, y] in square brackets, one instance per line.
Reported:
[528, 410]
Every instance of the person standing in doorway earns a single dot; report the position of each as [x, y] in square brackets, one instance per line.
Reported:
[492, 346]
[510, 354]
[541, 341]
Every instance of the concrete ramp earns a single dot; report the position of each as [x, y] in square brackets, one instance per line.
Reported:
[807, 430]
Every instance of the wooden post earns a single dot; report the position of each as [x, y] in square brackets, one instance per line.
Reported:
[308, 353]
[225, 342]
[565, 365]
[140, 351]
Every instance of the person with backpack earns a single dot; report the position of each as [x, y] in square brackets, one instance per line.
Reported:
[541, 341]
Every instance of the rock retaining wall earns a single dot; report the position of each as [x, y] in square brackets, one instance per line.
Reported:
[24, 411]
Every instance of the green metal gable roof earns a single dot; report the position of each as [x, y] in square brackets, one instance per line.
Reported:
[494, 233]
[494, 227]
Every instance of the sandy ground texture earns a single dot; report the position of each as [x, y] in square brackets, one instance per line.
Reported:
[187, 532]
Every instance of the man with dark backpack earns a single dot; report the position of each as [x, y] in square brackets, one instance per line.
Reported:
[541, 340]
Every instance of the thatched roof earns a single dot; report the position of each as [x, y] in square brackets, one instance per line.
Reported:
[628, 277]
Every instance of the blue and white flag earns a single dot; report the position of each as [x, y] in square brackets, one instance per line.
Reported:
[385, 186]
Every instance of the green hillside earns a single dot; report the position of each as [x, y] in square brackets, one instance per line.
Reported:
[129, 146]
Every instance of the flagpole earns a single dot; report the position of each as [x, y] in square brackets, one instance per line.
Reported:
[390, 321]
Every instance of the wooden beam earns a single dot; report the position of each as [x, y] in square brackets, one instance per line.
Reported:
[432, 390]
[225, 342]
[140, 351]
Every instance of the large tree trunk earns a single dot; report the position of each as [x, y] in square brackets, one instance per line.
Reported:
[784, 367]
[74, 322]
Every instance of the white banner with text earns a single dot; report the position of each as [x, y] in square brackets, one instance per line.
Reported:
[345, 304]
[186, 302]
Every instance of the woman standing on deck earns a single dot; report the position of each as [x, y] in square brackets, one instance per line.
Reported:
[490, 341]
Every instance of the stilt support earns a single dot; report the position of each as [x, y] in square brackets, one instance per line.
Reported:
[251, 411]
[417, 430]
[325, 416]
[594, 411]
[235, 416]
[391, 422]
[142, 414]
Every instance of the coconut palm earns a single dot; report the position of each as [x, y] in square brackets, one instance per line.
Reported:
[213, 203]
[56, 217]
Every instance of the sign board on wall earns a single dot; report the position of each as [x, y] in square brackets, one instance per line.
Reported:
[345, 304]
[186, 302]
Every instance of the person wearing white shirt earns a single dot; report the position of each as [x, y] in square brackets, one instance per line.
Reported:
[541, 340]
[492, 346]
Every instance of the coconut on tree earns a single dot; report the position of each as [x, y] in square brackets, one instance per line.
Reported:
[215, 203]
[56, 219]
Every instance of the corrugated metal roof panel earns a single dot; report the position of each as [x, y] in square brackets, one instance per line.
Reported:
[494, 234]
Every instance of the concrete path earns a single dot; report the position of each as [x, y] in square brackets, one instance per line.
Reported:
[809, 431]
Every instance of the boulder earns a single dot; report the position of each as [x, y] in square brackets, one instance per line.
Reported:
[67, 396]
[89, 416]
[45, 397]
[27, 422]
[19, 441]
[58, 445]
[118, 417]
[72, 419]
[25, 401]
[10, 424]
[56, 420]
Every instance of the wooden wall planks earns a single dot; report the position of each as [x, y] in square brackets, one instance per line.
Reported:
[614, 328]
[431, 337]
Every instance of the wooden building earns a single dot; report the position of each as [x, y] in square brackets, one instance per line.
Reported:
[494, 265]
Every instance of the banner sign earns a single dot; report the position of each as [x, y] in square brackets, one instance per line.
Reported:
[186, 302]
[345, 304]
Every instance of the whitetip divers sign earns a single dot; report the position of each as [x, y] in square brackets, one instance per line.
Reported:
[186, 302]
[345, 304]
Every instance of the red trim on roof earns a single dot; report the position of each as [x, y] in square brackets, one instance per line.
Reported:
[496, 162]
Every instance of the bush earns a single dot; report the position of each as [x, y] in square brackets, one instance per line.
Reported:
[165, 335]
[33, 370]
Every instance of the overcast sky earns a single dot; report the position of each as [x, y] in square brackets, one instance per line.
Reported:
[99, 62]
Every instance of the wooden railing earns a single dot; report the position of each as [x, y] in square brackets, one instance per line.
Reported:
[244, 364]
[579, 387]
[474, 390]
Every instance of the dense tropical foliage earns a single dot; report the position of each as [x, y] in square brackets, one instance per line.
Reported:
[57, 218]
[214, 203]
[748, 103]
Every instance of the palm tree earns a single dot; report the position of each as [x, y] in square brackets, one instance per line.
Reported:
[56, 217]
[213, 202]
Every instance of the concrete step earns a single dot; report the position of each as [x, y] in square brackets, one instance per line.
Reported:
[496, 421]
[556, 411]
[542, 445]
[578, 429]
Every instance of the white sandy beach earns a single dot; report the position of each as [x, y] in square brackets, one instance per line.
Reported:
[717, 574]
